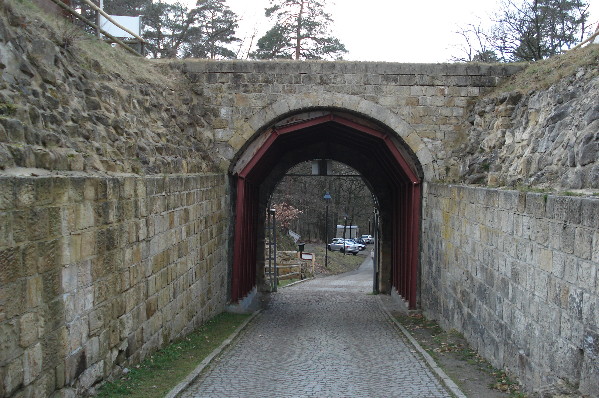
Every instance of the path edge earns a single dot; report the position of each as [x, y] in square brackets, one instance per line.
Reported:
[445, 379]
[191, 377]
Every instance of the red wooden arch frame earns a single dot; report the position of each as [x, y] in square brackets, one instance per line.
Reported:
[405, 214]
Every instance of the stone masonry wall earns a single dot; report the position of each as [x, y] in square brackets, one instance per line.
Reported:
[546, 138]
[68, 103]
[97, 272]
[517, 273]
[425, 104]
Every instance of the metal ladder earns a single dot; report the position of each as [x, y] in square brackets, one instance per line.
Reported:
[270, 236]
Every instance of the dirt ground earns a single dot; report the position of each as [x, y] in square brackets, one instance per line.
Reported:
[475, 376]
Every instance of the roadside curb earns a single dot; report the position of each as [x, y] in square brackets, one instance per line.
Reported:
[191, 377]
[429, 360]
[296, 282]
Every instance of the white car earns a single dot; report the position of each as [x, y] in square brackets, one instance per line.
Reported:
[367, 239]
[361, 246]
[343, 246]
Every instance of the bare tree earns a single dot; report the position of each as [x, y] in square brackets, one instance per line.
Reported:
[526, 30]
[350, 198]
[475, 46]
[532, 30]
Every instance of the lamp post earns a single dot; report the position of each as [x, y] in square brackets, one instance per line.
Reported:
[327, 200]
[344, 229]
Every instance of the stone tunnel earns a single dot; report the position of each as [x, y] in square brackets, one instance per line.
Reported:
[130, 208]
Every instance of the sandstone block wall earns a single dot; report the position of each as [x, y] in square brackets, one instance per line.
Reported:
[97, 272]
[517, 273]
[426, 104]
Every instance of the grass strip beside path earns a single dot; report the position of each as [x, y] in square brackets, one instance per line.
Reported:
[163, 370]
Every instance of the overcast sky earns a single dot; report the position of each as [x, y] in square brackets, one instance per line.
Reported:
[386, 30]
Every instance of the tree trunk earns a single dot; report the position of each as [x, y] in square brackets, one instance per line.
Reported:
[298, 39]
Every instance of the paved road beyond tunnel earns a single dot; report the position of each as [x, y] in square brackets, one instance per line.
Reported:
[323, 338]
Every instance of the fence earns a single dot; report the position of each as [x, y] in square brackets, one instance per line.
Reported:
[98, 28]
[291, 266]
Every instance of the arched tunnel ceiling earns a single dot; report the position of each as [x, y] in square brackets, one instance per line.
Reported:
[372, 152]
[368, 153]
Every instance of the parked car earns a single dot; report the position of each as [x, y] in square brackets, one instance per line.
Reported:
[343, 246]
[367, 239]
[361, 245]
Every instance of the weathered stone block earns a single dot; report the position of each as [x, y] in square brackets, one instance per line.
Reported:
[545, 259]
[11, 267]
[7, 193]
[590, 310]
[13, 376]
[575, 303]
[32, 363]
[587, 275]
[558, 264]
[583, 242]
[589, 375]
[75, 365]
[24, 192]
[590, 212]
[595, 250]
[51, 285]
[96, 320]
[535, 204]
[568, 234]
[29, 326]
[88, 244]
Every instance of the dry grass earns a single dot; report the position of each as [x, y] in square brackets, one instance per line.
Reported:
[542, 74]
[91, 53]
[337, 263]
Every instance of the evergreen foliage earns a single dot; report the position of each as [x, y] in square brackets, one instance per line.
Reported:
[215, 27]
[300, 31]
[172, 30]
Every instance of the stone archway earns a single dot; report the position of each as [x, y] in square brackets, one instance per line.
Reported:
[254, 127]
[377, 152]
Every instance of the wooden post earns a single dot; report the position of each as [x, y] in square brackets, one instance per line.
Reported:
[99, 22]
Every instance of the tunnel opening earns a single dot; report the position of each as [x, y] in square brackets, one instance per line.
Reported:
[385, 162]
[312, 208]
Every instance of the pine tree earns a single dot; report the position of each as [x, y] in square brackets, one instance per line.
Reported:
[166, 28]
[214, 28]
[173, 30]
[300, 31]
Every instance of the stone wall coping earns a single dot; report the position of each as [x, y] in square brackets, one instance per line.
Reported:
[357, 67]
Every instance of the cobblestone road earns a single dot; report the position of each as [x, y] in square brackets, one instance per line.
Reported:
[322, 338]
